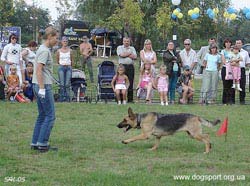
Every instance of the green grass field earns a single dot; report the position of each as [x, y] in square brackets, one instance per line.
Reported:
[91, 153]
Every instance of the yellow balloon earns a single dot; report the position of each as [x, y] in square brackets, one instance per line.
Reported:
[226, 15]
[176, 12]
[190, 12]
[196, 10]
[233, 16]
[180, 15]
[216, 10]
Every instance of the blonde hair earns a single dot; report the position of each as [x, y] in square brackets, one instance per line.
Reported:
[143, 68]
[120, 67]
[13, 66]
[163, 67]
[147, 41]
[49, 31]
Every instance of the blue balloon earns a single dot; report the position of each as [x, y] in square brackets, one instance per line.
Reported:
[248, 15]
[178, 9]
[231, 10]
[209, 11]
[245, 10]
[195, 16]
[211, 15]
[173, 16]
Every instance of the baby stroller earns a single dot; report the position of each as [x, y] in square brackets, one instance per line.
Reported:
[106, 72]
[78, 85]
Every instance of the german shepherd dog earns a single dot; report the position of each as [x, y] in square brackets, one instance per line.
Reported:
[159, 125]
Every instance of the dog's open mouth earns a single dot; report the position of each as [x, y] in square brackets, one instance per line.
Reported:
[125, 129]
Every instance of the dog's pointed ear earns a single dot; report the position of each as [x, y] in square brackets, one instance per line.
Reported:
[130, 113]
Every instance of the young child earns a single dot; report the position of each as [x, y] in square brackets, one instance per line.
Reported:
[184, 85]
[14, 85]
[145, 82]
[235, 65]
[27, 84]
[162, 85]
[120, 84]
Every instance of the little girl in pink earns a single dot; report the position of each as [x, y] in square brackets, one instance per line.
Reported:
[120, 84]
[146, 81]
[235, 66]
[162, 85]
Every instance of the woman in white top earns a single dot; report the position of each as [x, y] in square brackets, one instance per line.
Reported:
[64, 58]
[148, 55]
[28, 53]
[12, 55]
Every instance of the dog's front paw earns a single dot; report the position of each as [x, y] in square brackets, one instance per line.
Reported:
[124, 142]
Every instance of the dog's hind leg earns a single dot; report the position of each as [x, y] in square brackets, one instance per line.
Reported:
[206, 140]
[156, 145]
[139, 137]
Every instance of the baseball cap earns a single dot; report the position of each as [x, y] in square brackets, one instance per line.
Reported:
[186, 67]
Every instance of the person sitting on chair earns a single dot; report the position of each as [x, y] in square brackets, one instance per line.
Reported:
[184, 85]
[146, 82]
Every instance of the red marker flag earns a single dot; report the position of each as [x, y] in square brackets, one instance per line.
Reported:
[223, 128]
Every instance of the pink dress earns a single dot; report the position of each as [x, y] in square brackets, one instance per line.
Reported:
[236, 72]
[162, 85]
[146, 78]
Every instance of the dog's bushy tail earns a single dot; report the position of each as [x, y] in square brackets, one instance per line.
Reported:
[209, 123]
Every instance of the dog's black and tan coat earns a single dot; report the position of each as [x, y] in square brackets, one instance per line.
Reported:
[159, 125]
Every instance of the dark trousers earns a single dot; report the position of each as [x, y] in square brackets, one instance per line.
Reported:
[130, 72]
[227, 88]
[242, 86]
[2, 94]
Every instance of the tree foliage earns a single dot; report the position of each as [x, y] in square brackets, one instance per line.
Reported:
[30, 18]
[6, 11]
[152, 19]
[128, 17]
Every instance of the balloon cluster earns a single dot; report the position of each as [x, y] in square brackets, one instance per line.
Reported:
[177, 14]
[194, 13]
[246, 12]
[230, 13]
[212, 13]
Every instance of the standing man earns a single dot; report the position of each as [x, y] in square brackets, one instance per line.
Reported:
[201, 55]
[43, 90]
[188, 55]
[86, 51]
[127, 55]
[243, 64]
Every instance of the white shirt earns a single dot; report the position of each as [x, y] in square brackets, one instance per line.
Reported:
[188, 57]
[30, 56]
[12, 52]
[245, 56]
[64, 58]
[125, 60]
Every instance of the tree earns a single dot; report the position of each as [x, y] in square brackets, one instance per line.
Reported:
[29, 18]
[163, 20]
[6, 11]
[96, 12]
[128, 17]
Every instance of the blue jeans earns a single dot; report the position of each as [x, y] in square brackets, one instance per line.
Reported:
[172, 85]
[46, 116]
[65, 74]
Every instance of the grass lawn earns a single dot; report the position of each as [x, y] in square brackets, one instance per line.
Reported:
[91, 152]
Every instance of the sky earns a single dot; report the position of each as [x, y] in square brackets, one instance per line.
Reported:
[51, 4]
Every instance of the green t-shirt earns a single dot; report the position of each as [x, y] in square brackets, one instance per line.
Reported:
[43, 55]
